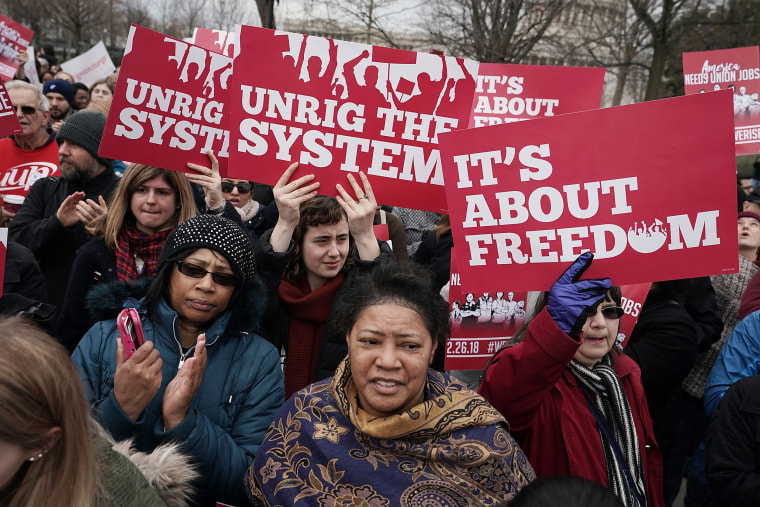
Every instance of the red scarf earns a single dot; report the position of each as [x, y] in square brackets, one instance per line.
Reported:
[132, 241]
[308, 311]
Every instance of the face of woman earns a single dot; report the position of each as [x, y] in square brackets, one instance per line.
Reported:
[101, 92]
[237, 198]
[324, 249]
[199, 301]
[12, 456]
[597, 336]
[390, 351]
[749, 232]
[153, 204]
[81, 98]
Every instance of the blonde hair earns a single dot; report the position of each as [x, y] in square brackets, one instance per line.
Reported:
[120, 213]
[40, 390]
[101, 106]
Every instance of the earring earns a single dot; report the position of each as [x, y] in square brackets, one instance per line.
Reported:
[39, 456]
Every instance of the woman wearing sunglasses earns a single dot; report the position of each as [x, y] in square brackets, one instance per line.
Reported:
[256, 217]
[574, 402]
[146, 206]
[203, 377]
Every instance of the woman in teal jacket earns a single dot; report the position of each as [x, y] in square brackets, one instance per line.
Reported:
[203, 377]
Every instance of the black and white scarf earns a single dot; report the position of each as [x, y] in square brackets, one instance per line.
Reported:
[604, 385]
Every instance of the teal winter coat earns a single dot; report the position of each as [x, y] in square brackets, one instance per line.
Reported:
[241, 391]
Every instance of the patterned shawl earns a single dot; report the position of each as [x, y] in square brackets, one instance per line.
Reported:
[451, 449]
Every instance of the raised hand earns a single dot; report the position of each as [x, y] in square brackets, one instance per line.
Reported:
[137, 379]
[288, 196]
[67, 211]
[182, 389]
[572, 300]
[361, 213]
[88, 211]
[209, 179]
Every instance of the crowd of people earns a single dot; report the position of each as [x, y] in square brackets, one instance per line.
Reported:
[291, 357]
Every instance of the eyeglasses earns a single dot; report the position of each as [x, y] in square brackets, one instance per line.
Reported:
[194, 271]
[243, 187]
[612, 312]
[27, 110]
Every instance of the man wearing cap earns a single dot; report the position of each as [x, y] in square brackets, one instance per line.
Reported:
[60, 96]
[52, 220]
[31, 154]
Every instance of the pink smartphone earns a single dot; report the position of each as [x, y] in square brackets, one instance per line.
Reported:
[131, 331]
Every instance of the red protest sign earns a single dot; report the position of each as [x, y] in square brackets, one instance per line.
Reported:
[649, 188]
[633, 297]
[339, 107]
[218, 41]
[14, 39]
[738, 70]
[170, 112]
[481, 322]
[507, 93]
[9, 123]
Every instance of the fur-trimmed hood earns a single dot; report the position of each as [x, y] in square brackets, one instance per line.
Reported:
[105, 301]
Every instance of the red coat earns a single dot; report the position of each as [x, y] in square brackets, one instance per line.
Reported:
[547, 412]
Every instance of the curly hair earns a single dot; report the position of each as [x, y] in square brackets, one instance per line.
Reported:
[406, 285]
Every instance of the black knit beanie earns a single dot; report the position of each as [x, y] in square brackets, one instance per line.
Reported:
[60, 86]
[216, 233]
[85, 128]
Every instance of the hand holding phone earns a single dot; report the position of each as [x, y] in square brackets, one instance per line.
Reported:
[130, 330]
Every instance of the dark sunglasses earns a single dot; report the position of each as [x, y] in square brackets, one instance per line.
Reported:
[28, 110]
[194, 271]
[612, 312]
[243, 187]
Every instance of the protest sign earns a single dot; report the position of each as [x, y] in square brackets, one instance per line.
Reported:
[507, 93]
[481, 322]
[339, 107]
[14, 38]
[218, 41]
[170, 112]
[633, 297]
[738, 70]
[30, 69]
[90, 66]
[9, 123]
[649, 188]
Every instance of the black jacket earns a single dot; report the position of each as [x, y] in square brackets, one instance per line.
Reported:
[732, 453]
[664, 345]
[36, 227]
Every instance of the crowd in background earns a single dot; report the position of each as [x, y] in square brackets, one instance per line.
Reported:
[291, 357]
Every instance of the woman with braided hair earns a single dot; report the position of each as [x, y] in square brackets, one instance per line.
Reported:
[574, 402]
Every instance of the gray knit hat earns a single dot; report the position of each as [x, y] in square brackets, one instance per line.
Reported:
[215, 233]
[85, 128]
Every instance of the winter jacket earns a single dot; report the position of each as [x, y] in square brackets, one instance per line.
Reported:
[664, 345]
[733, 446]
[739, 358]
[275, 324]
[436, 253]
[241, 391]
[532, 387]
[36, 227]
[94, 264]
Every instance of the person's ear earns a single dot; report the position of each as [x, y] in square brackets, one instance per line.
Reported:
[432, 352]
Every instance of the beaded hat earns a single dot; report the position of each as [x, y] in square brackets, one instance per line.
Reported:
[215, 233]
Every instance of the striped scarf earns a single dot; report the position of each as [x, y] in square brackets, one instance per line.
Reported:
[604, 384]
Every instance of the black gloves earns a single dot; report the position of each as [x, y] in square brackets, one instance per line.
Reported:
[571, 301]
